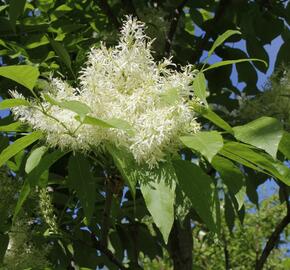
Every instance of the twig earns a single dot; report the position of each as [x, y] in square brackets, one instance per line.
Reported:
[173, 27]
[108, 11]
[110, 255]
[275, 236]
[226, 254]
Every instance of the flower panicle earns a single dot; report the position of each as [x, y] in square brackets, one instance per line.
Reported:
[123, 82]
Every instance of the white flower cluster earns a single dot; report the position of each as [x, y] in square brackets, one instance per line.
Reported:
[124, 83]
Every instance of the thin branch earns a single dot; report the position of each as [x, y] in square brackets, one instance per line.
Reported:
[226, 254]
[103, 4]
[173, 27]
[106, 214]
[275, 236]
[109, 254]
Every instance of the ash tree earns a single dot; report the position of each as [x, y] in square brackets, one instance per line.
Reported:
[121, 141]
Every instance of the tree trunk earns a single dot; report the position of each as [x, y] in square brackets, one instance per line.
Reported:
[181, 245]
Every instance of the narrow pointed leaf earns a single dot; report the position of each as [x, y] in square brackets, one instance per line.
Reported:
[258, 161]
[13, 127]
[13, 102]
[214, 118]
[220, 40]
[34, 158]
[19, 145]
[34, 178]
[231, 62]
[199, 86]
[75, 106]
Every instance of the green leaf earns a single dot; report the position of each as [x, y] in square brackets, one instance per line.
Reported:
[214, 118]
[13, 102]
[75, 106]
[13, 127]
[208, 143]
[25, 190]
[19, 145]
[229, 213]
[34, 158]
[196, 185]
[220, 40]
[120, 124]
[94, 121]
[264, 133]
[4, 241]
[284, 146]
[80, 178]
[249, 157]
[126, 165]
[78, 107]
[34, 178]
[16, 8]
[158, 189]
[110, 123]
[24, 75]
[231, 174]
[230, 62]
[199, 86]
[62, 53]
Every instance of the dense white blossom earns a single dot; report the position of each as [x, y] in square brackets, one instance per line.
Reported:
[126, 83]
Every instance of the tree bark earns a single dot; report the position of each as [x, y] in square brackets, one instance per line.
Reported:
[181, 245]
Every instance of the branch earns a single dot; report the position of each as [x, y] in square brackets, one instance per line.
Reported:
[173, 27]
[226, 254]
[108, 253]
[180, 244]
[275, 236]
[108, 11]
[106, 214]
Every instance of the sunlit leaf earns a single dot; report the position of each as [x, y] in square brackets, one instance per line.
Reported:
[199, 86]
[19, 145]
[34, 158]
[158, 189]
[24, 75]
[13, 102]
[208, 143]
[221, 39]
[264, 133]
[231, 62]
